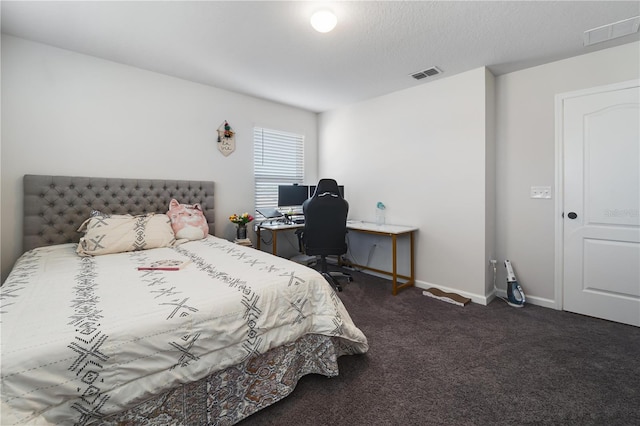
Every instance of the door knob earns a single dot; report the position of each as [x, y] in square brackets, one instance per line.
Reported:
[572, 215]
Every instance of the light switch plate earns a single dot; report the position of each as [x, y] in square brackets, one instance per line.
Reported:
[541, 192]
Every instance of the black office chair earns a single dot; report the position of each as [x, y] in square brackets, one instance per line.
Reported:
[325, 227]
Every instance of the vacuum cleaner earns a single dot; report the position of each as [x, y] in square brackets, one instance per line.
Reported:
[515, 294]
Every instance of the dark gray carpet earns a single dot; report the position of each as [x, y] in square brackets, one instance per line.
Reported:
[434, 363]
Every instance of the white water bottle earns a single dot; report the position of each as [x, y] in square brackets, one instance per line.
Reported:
[380, 207]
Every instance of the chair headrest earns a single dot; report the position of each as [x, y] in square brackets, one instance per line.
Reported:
[327, 185]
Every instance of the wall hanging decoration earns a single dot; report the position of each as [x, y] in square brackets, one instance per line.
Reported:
[226, 139]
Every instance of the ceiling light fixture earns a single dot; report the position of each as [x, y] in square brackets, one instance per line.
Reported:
[323, 21]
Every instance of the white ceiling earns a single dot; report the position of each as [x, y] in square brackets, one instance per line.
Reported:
[268, 49]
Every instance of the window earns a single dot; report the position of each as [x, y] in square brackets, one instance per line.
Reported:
[278, 159]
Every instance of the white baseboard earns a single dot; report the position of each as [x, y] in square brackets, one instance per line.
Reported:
[533, 300]
[478, 298]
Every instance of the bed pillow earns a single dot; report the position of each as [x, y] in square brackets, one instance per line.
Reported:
[120, 233]
[95, 213]
[188, 221]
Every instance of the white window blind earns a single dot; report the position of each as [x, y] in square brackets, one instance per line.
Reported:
[278, 159]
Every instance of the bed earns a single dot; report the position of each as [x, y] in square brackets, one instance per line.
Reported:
[96, 340]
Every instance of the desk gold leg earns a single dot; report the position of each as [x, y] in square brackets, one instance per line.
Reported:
[275, 242]
[395, 264]
[258, 236]
[413, 268]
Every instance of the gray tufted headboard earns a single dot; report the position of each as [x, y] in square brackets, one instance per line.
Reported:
[55, 206]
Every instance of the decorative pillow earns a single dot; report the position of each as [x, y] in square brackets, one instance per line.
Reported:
[119, 233]
[188, 221]
[96, 213]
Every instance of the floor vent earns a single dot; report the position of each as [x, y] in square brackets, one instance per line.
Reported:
[426, 73]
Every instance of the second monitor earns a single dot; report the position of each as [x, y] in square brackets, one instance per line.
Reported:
[292, 195]
[296, 195]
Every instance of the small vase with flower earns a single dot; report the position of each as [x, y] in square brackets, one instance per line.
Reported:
[241, 221]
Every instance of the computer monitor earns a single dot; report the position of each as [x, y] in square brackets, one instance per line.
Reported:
[292, 195]
[312, 190]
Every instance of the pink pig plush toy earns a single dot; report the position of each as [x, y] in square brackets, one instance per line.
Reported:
[188, 221]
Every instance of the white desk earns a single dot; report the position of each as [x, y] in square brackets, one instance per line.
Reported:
[276, 227]
[392, 231]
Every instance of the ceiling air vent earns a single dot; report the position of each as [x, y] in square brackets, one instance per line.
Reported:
[426, 73]
[611, 31]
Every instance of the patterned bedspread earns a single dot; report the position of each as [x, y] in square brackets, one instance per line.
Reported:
[83, 338]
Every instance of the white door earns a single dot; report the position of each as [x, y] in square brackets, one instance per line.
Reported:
[601, 138]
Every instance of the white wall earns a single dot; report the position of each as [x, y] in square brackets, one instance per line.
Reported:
[526, 157]
[490, 181]
[421, 152]
[69, 114]
[426, 152]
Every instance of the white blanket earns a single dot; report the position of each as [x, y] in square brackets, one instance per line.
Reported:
[86, 337]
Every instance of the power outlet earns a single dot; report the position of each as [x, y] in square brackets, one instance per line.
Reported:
[541, 192]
